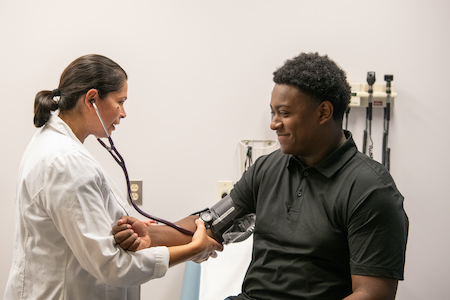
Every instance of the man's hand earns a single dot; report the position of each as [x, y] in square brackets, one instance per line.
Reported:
[131, 234]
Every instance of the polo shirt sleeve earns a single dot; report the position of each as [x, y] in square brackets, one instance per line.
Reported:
[262, 174]
[377, 233]
[243, 192]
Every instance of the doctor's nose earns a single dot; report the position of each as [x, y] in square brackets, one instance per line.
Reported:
[123, 114]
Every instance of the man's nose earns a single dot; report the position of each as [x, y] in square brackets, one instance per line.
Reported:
[275, 123]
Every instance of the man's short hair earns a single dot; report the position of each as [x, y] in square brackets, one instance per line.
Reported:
[319, 77]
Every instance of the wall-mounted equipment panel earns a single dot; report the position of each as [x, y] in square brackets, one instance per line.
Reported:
[360, 95]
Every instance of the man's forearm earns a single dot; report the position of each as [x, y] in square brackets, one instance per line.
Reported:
[162, 235]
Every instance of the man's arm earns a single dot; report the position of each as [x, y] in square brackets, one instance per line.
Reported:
[198, 249]
[372, 288]
[132, 234]
[129, 233]
[167, 236]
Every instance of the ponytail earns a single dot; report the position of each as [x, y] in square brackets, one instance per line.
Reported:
[44, 103]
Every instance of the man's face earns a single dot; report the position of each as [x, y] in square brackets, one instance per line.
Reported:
[295, 118]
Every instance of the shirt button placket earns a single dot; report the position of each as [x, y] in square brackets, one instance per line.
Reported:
[300, 193]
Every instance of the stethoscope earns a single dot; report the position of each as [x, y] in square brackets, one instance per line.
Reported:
[119, 159]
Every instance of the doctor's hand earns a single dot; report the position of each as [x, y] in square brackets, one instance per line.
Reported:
[207, 245]
[131, 234]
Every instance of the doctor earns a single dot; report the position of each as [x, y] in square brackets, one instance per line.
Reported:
[66, 204]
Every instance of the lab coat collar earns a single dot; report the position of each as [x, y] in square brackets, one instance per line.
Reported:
[57, 124]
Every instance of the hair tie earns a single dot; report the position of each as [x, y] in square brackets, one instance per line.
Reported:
[56, 95]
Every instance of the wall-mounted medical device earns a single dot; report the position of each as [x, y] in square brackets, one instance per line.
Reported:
[250, 150]
[371, 95]
[360, 95]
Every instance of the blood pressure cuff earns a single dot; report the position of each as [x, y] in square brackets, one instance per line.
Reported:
[228, 222]
[240, 230]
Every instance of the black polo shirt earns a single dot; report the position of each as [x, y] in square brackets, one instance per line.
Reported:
[318, 225]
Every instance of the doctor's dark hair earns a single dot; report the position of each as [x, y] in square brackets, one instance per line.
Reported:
[87, 72]
[319, 77]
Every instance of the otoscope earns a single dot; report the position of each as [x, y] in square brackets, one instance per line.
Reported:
[347, 111]
[386, 154]
[368, 130]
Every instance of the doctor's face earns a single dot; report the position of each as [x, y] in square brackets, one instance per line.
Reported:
[112, 109]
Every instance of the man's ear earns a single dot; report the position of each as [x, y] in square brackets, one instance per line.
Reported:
[326, 110]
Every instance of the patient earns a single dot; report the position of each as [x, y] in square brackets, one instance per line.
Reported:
[330, 220]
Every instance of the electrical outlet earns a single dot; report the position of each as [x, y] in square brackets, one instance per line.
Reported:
[223, 188]
[136, 191]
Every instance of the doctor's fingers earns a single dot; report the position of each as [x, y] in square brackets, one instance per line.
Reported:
[204, 256]
[211, 249]
[214, 245]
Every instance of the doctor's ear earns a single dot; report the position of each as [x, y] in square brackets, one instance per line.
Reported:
[90, 96]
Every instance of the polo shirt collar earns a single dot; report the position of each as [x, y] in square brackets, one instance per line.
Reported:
[334, 161]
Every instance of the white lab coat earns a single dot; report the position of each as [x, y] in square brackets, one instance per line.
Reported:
[65, 208]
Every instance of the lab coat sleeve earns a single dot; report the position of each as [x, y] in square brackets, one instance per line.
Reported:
[78, 198]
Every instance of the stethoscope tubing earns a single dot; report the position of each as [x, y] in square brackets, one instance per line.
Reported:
[121, 162]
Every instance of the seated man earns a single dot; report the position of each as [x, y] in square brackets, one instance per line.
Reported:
[330, 222]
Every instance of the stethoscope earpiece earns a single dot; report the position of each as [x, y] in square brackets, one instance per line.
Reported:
[99, 117]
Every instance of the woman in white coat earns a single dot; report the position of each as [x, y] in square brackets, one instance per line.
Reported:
[66, 204]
